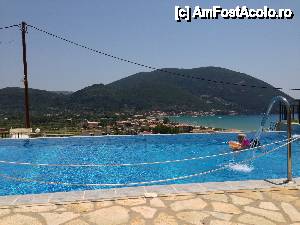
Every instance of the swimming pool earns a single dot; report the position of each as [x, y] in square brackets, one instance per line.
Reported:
[135, 149]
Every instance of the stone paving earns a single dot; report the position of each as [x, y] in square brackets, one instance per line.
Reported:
[262, 206]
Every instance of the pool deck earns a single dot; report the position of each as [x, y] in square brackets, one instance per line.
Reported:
[259, 202]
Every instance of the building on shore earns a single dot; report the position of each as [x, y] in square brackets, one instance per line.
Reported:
[89, 124]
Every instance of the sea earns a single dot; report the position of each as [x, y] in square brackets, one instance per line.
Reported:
[240, 122]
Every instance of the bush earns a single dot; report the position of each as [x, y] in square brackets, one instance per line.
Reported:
[162, 129]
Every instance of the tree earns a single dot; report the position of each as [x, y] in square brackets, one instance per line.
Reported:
[166, 120]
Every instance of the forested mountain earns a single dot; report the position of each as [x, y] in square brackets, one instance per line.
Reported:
[154, 90]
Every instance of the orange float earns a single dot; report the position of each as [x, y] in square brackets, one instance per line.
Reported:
[234, 145]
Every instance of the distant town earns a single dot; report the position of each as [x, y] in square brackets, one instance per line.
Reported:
[154, 122]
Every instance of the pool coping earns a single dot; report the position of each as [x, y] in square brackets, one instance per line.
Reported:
[146, 191]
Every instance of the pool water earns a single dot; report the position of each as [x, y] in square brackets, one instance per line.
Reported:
[135, 149]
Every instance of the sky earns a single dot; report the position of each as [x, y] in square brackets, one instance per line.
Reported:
[146, 32]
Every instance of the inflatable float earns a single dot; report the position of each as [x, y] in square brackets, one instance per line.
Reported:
[235, 146]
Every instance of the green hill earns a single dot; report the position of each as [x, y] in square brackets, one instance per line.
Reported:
[12, 101]
[154, 90]
[160, 91]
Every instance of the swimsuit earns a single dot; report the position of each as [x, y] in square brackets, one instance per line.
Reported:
[245, 143]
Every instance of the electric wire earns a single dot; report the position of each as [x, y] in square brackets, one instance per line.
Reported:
[142, 64]
[11, 26]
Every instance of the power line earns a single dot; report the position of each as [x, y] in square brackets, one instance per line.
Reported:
[7, 27]
[144, 65]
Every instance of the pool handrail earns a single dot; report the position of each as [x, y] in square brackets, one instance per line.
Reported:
[289, 131]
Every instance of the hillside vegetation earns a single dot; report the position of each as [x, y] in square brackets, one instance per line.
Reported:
[152, 91]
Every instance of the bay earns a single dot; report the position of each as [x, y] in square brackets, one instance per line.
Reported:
[240, 122]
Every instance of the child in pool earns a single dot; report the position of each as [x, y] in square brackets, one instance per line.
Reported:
[242, 143]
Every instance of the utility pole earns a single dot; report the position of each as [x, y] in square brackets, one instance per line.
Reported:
[27, 119]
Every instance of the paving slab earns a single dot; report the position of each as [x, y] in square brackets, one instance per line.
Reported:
[243, 202]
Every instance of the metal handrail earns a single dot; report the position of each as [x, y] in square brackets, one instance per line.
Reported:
[284, 101]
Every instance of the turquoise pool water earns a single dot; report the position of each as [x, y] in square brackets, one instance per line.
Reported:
[135, 149]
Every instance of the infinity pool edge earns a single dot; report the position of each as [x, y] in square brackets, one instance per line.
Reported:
[145, 191]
